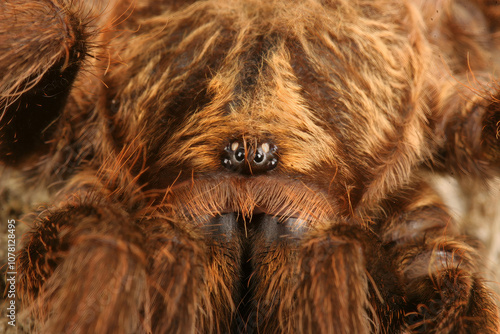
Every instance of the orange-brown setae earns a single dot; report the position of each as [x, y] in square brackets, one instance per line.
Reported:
[250, 166]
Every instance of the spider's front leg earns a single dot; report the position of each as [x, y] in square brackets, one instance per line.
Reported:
[192, 274]
[91, 267]
[42, 47]
[333, 280]
[468, 127]
[401, 273]
[83, 270]
[443, 288]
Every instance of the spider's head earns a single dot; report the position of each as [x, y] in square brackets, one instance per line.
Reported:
[298, 96]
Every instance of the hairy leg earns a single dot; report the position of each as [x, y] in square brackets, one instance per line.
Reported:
[192, 274]
[42, 47]
[439, 270]
[336, 280]
[468, 127]
[90, 267]
[406, 272]
[83, 270]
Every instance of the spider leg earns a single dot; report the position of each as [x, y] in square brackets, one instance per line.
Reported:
[325, 282]
[192, 276]
[439, 269]
[42, 47]
[83, 270]
[92, 268]
[468, 128]
[409, 271]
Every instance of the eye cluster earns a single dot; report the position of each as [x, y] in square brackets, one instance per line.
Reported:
[240, 158]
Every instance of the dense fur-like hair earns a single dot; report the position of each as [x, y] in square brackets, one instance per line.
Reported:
[250, 166]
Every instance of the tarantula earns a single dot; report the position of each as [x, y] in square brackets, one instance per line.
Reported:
[250, 166]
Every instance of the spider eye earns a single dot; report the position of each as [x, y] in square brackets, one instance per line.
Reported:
[239, 155]
[259, 156]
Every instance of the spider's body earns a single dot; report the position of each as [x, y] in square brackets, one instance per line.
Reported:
[250, 166]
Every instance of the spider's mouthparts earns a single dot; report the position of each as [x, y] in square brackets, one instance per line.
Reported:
[268, 228]
[282, 201]
[272, 227]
